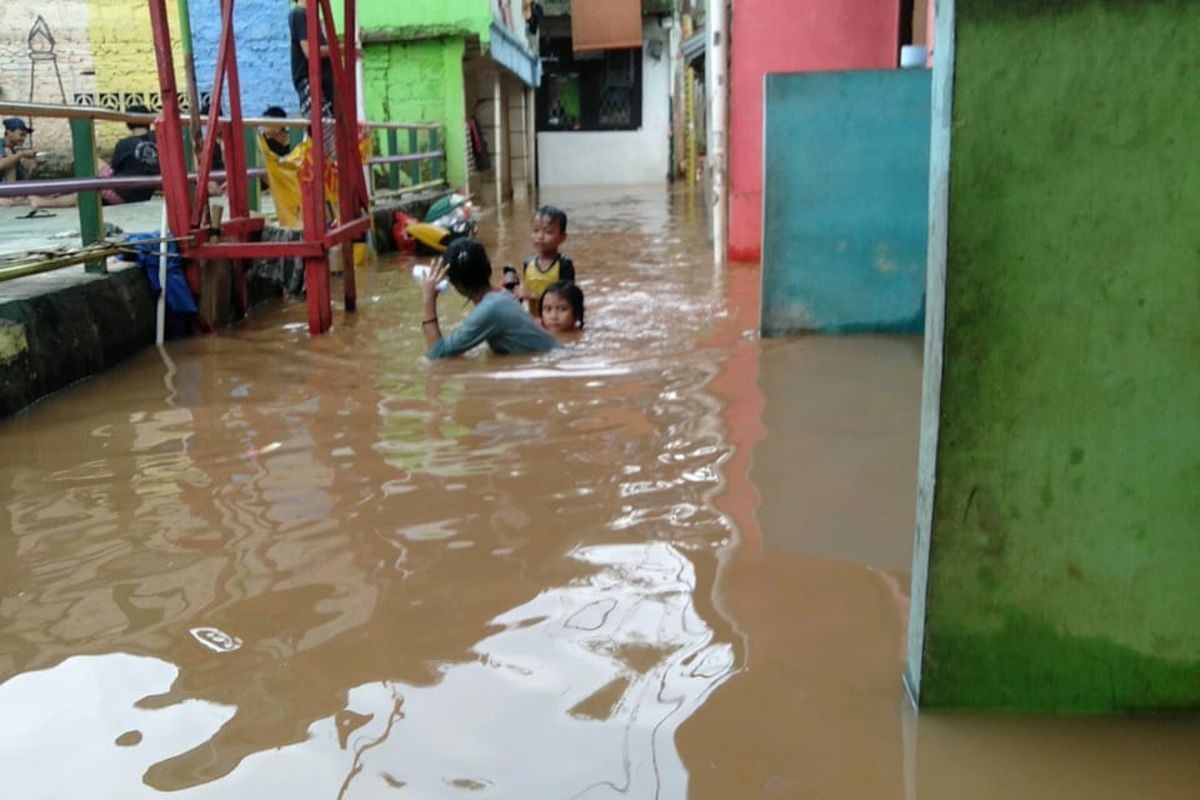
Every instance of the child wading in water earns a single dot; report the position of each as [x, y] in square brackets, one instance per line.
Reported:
[497, 318]
[549, 231]
[562, 307]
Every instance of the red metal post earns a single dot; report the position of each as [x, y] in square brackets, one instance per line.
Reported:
[235, 164]
[348, 206]
[171, 156]
[204, 165]
[316, 270]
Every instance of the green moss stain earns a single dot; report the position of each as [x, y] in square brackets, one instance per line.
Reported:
[1088, 675]
[12, 341]
[1069, 387]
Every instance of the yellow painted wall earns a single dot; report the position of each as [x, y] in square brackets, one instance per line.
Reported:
[122, 47]
[104, 54]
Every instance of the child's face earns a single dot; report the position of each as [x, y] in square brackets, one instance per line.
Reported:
[557, 314]
[547, 237]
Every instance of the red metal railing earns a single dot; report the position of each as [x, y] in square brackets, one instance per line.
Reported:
[423, 162]
[187, 208]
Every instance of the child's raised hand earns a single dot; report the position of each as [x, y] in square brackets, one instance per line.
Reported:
[436, 276]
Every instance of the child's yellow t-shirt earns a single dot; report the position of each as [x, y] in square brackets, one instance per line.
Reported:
[537, 281]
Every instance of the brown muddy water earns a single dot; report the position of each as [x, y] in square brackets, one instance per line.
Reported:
[670, 561]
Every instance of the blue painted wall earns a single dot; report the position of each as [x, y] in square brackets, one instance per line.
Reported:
[264, 52]
[845, 202]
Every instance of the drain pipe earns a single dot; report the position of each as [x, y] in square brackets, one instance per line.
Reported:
[718, 59]
[160, 321]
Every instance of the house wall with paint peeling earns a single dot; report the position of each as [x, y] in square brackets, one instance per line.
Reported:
[79, 52]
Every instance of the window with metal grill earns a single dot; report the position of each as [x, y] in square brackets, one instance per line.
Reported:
[598, 91]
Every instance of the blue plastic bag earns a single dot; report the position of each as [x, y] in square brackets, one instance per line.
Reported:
[179, 296]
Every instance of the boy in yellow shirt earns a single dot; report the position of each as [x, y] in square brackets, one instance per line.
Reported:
[549, 231]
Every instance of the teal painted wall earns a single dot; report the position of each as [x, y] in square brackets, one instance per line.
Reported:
[845, 201]
[421, 81]
[1058, 556]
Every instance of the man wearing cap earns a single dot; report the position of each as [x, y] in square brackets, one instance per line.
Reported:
[16, 164]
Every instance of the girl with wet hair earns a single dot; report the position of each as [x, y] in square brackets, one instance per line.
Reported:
[497, 317]
[562, 307]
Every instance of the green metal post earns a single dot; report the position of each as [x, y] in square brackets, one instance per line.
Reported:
[415, 166]
[189, 73]
[252, 162]
[189, 154]
[393, 150]
[434, 140]
[91, 217]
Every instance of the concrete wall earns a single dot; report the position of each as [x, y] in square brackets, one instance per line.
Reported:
[505, 133]
[617, 157]
[421, 81]
[1058, 562]
[790, 36]
[62, 327]
[104, 53]
[846, 202]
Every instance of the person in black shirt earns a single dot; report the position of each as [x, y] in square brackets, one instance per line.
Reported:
[298, 26]
[136, 154]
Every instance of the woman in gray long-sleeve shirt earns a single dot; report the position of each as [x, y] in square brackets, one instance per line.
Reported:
[497, 318]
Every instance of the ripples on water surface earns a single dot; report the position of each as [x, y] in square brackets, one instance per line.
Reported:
[282, 567]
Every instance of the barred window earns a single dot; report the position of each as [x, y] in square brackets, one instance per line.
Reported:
[600, 91]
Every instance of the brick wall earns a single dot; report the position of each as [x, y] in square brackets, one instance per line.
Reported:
[263, 48]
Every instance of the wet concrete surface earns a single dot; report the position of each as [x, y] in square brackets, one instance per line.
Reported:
[669, 561]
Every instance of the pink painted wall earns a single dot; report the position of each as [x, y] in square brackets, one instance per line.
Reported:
[790, 36]
[930, 20]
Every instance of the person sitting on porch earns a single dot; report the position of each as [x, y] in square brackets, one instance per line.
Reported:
[135, 155]
[18, 163]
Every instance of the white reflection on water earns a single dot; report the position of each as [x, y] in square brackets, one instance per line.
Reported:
[62, 725]
[578, 694]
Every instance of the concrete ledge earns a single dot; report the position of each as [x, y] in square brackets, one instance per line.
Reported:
[59, 328]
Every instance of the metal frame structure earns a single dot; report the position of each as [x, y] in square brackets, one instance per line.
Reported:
[234, 239]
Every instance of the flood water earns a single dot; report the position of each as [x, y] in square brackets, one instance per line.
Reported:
[670, 561]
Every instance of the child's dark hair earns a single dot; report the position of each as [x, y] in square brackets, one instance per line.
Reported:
[275, 111]
[555, 215]
[137, 108]
[470, 269]
[569, 291]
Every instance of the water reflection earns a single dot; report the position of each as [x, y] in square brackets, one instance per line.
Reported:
[419, 558]
[666, 562]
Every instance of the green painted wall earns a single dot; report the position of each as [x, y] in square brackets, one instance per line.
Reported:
[421, 81]
[413, 65]
[1058, 555]
[406, 21]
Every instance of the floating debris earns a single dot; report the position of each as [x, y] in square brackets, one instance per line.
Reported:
[216, 640]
